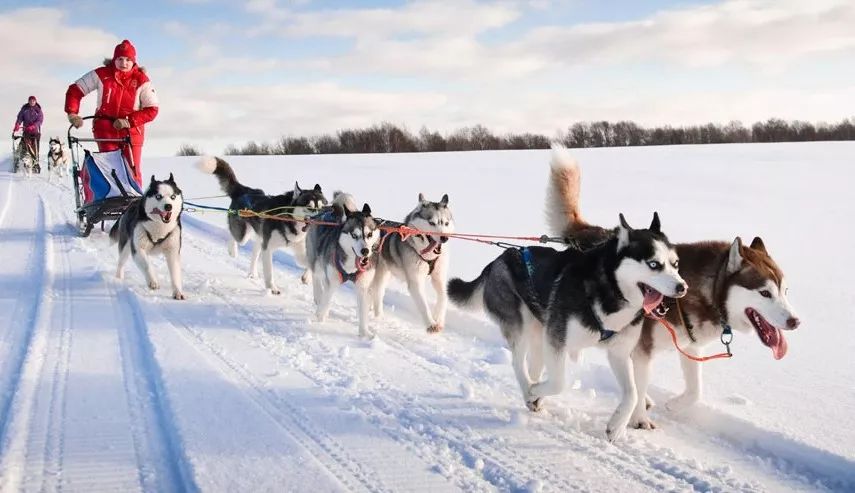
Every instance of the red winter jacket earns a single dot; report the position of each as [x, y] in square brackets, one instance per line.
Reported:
[120, 95]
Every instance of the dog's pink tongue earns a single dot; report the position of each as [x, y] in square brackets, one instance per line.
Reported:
[652, 299]
[779, 347]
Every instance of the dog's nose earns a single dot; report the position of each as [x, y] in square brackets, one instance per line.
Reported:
[443, 239]
[681, 288]
[167, 207]
[793, 323]
[365, 252]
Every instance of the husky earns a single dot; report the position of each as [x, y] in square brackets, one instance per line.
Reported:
[343, 252]
[270, 234]
[152, 225]
[58, 159]
[731, 285]
[549, 303]
[418, 257]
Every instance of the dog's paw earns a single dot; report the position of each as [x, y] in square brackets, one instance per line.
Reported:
[306, 278]
[644, 423]
[252, 275]
[120, 275]
[320, 317]
[434, 329]
[535, 405]
[615, 434]
[178, 295]
[368, 335]
[275, 291]
[682, 402]
[153, 285]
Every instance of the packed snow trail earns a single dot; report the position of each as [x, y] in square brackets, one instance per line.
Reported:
[106, 385]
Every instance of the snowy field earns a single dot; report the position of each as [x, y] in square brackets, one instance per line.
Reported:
[106, 386]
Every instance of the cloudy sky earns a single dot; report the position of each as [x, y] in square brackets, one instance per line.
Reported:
[228, 71]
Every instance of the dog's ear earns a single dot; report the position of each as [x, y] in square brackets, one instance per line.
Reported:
[734, 257]
[153, 180]
[623, 233]
[422, 198]
[444, 200]
[297, 189]
[171, 179]
[757, 244]
[317, 187]
[655, 225]
[366, 210]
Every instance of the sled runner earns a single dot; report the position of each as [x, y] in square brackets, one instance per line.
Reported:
[103, 181]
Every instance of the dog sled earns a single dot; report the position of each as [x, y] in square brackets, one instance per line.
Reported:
[25, 153]
[103, 181]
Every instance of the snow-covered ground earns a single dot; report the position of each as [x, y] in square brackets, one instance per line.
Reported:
[105, 385]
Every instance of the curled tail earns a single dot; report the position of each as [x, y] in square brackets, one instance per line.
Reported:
[224, 173]
[468, 295]
[345, 201]
[562, 193]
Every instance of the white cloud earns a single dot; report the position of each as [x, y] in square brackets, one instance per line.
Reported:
[424, 17]
[757, 32]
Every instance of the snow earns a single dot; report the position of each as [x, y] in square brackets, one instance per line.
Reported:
[105, 385]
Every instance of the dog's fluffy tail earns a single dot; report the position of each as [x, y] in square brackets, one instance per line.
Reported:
[224, 173]
[562, 193]
[468, 295]
[345, 201]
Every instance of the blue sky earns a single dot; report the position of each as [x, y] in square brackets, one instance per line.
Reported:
[234, 71]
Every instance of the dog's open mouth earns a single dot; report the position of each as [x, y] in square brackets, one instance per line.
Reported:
[771, 336]
[652, 303]
[165, 216]
[438, 249]
[362, 262]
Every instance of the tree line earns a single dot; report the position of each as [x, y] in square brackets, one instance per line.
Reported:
[388, 137]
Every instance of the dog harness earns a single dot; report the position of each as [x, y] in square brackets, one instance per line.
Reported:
[421, 253]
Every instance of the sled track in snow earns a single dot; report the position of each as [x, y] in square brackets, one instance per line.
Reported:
[326, 450]
[143, 381]
[28, 316]
[4, 208]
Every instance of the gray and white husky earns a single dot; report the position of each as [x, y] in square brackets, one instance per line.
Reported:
[343, 252]
[416, 258]
[730, 285]
[270, 234]
[549, 303]
[152, 225]
[58, 159]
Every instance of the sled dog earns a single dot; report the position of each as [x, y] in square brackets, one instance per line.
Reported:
[549, 303]
[417, 257]
[152, 225]
[344, 252]
[270, 234]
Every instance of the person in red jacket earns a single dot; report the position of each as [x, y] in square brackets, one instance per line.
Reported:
[126, 102]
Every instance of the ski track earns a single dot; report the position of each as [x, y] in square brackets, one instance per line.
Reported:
[450, 435]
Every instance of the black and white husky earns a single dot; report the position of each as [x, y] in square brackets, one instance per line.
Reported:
[548, 303]
[270, 234]
[416, 258]
[343, 252]
[58, 159]
[152, 225]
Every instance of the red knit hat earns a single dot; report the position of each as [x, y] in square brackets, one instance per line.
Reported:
[32, 98]
[126, 49]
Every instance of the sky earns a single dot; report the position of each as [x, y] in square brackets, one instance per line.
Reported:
[227, 72]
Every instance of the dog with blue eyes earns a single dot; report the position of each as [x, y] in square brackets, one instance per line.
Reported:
[150, 226]
[343, 248]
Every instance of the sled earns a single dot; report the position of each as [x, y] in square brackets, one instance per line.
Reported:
[103, 181]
